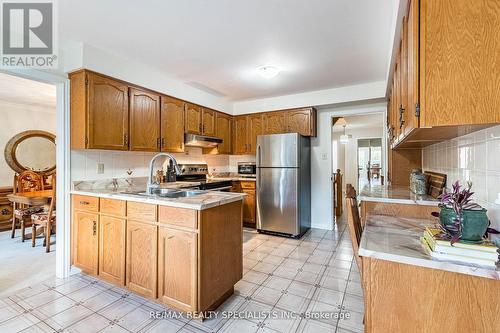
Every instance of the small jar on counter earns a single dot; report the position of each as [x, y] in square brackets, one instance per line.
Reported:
[418, 182]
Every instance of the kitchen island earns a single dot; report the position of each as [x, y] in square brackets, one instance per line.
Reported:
[407, 291]
[184, 251]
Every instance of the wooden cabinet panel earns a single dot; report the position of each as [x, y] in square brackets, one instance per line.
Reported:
[84, 202]
[249, 208]
[223, 131]
[247, 184]
[182, 217]
[274, 122]
[144, 120]
[85, 239]
[302, 121]
[403, 72]
[112, 249]
[240, 135]
[113, 207]
[142, 211]
[107, 113]
[412, 120]
[141, 259]
[177, 268]
[254, 130]
[208, 122]
[172, 124]
[459, 82]
[193, 119]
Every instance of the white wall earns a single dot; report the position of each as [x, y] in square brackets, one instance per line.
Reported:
[321, 161]
[359, 92]
[79, 55]
[18, 118]
[474, 157]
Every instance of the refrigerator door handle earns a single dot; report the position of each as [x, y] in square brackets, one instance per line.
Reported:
[258, 156]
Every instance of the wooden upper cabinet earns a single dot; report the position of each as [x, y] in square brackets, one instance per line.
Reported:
[274, 122]
[254, 130]
[208, 122]
[412, 58]
[460, 45]
[141, 259]
[85, 241]
[223, 131]
[193, 119]
[177, 268]
[144, 120]
[172, 124]
[240, 129]
[302, 121]
[99, 112]
[112, 249]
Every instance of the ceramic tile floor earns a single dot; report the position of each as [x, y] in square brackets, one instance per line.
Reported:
[288, 285]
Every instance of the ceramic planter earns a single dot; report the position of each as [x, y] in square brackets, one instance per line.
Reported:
[474, 222]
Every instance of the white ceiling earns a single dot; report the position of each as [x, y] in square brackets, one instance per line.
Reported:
[217, 45]
[360, 122]
[16, 90]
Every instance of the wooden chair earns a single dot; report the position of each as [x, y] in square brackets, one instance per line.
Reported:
[26, 181]
[354, 222]
[46, 220]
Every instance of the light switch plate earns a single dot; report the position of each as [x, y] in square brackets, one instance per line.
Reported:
[100, 168]
[324, 156]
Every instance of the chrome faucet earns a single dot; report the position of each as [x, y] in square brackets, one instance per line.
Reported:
[153, 184]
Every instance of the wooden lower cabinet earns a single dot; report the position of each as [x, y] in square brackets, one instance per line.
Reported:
[85, 241]
[177, 268]
[249, 209]
[141, 259]
[184, 258]
[112, 249]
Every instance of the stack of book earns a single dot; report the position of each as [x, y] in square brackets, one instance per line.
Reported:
[484, 253]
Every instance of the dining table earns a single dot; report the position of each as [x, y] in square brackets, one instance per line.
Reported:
[33, 198]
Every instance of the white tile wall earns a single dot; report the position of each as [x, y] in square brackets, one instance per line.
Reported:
[474, 157]
[84, 163]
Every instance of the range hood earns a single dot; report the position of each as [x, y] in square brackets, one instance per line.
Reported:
[194, 140]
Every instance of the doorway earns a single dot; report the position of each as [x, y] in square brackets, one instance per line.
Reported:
[369, 162]
[38, 113]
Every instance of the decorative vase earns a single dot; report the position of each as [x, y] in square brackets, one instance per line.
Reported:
[474, 222]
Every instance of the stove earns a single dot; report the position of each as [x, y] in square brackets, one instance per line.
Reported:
[198, 173]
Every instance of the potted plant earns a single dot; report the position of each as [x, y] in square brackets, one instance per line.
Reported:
[460, 218]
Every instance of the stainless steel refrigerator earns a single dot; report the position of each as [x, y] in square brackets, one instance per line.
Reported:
[283, 184]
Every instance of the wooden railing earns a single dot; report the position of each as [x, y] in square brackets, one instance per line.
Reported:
[337, 192]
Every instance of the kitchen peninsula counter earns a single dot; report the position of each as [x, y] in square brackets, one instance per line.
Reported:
[406, 290]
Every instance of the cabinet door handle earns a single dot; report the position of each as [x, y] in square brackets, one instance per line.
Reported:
[200, 128]
[249, 147]
[94, 228]
[163, 142]
[125, 139]
[158, 143]
[84, 203]
[401, 119]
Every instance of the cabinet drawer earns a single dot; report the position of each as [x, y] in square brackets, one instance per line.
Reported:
[84, 202]
[141, 212]
[113, 207]
[247, 184]
[178, 216]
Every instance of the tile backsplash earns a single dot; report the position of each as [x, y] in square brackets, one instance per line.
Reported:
[116, 163]
[474, 157]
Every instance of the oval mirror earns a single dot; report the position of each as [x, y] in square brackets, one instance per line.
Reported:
[31, 150]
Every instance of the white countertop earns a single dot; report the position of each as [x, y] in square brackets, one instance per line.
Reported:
[207, 199]
[398, 239]
[395, 194]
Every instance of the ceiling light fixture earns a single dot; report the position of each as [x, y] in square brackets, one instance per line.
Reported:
[344, 138]
[268, 72]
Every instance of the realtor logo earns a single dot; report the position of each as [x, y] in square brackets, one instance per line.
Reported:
[28, 31]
